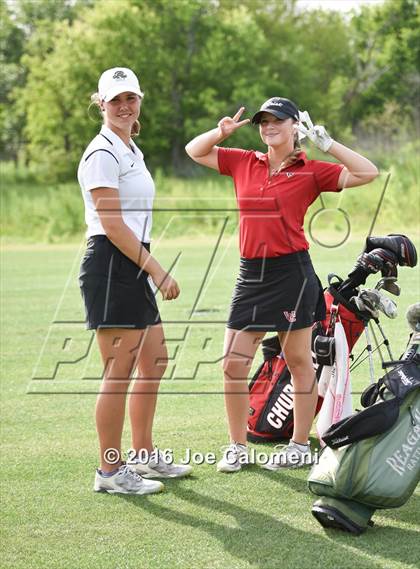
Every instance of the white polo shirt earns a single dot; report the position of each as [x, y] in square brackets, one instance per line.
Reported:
[108, 163]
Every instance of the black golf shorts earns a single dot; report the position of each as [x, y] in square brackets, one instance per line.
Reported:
[277, 294]
[116, 292]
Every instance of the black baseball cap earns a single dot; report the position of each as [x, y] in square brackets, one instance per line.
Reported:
[279, 107]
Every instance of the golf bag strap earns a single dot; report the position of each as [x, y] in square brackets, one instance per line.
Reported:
[333, 319]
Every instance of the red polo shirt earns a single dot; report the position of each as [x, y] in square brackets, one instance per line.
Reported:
[272, 209]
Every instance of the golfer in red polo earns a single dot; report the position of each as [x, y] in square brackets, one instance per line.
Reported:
[277, 288]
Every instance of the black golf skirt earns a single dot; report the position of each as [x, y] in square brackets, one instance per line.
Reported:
[277, 294]
[116, 292]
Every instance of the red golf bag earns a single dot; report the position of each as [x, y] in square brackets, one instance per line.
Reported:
[271, 390]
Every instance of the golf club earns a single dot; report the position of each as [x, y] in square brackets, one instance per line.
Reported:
[389, 284]
[372, 301]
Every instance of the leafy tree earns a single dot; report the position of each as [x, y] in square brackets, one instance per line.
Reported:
[11, 49]
[192, 60]
[25, 25]
[386, 51]
[199, 60]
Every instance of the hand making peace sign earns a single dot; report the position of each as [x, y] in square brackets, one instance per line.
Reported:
[228, 125]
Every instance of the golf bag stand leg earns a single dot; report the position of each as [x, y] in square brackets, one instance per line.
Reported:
[385, 339]
[369, 351]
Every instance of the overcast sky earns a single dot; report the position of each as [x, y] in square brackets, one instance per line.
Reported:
[339, 5]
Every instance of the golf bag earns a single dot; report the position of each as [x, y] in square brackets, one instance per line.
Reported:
[271, 396]
[271, 390]
[373, 458]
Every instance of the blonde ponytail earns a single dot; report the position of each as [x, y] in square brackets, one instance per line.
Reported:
[135, 129]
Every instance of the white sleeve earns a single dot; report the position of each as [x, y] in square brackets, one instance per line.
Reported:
[100, 170]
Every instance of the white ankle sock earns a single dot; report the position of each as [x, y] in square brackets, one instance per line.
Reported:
[300, 446]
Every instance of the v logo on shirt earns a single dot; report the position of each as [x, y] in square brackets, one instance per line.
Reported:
[290, 174]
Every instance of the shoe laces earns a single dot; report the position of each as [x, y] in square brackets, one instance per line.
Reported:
[234, 448]
[290, 447]
[125, 470]
[161, 459]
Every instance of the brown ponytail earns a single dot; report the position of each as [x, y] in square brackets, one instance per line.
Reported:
[293, 156]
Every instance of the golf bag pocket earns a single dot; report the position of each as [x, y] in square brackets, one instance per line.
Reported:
[379, 472]
[271, 397]
[271, 402]
[404, 378]
[324, 348]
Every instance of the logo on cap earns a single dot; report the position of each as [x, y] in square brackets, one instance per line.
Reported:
[119, 75]
[274, 102]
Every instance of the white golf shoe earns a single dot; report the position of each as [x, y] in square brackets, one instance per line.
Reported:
[125, 481]
[292, 455]
[159, 467]
[235, 456]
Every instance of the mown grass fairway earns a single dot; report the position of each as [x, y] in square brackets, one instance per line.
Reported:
[254, 519]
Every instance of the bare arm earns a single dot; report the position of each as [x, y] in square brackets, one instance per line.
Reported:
[108, 206]
[203, 148]
[357, 170]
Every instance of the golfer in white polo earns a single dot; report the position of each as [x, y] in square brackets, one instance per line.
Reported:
[115, 280]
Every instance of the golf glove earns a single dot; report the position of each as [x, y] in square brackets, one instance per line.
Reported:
[316, 134]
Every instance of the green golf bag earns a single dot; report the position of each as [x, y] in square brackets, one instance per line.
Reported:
[373, 458]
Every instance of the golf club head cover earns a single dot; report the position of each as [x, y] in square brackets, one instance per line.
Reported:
[413, 317]
[400, 245]
[370, 263]
[388, 259]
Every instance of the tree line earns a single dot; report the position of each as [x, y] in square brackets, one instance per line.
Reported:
[199, 60]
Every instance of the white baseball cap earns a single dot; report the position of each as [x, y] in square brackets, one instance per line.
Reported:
[118, 80]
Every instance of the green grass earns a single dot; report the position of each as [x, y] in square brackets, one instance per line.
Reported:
[34, 212]
[254, 519]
